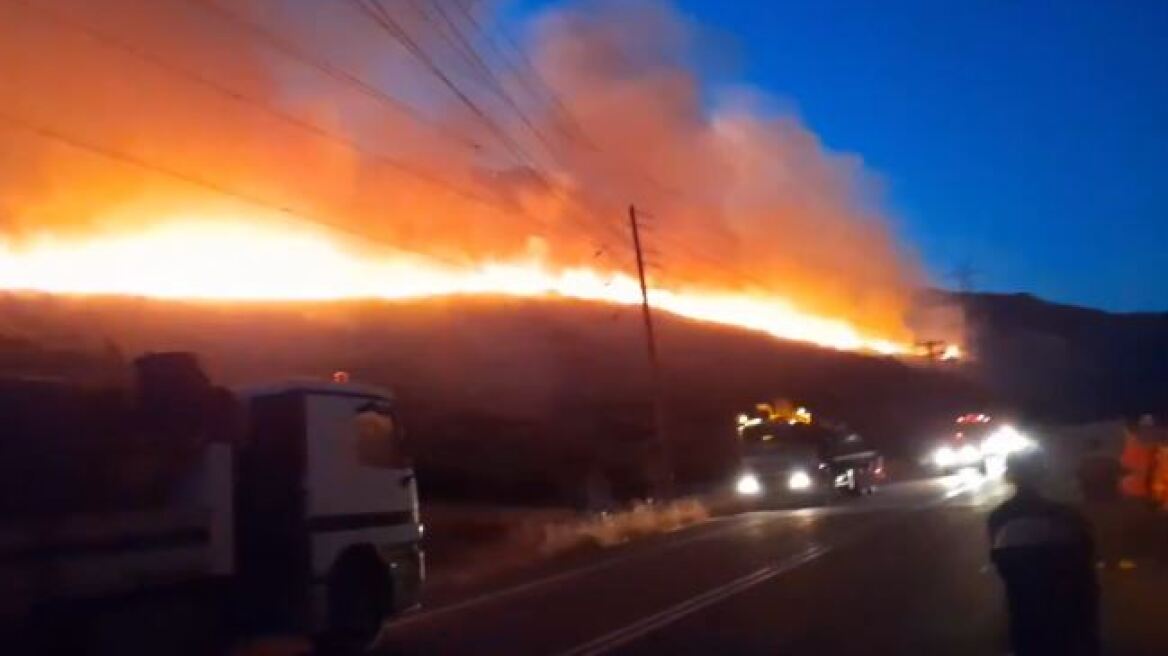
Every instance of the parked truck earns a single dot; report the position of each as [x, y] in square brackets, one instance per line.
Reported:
[300, 518]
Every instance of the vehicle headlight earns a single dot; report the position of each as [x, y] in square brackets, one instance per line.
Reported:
[798, 480]
[944, 456]
[748, 485]
[1007, 440]
[968, 454]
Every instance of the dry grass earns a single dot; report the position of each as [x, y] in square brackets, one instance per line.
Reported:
[477, 544]
[609, 529]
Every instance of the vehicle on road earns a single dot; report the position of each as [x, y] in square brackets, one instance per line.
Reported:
[979, 442]
[786, 453]
[301, 517]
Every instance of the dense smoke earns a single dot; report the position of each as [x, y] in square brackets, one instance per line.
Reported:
[532, 146]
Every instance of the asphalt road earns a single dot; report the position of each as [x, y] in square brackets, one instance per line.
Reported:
[901, 572]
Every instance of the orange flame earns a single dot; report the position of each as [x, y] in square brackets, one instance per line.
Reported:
[201, 259]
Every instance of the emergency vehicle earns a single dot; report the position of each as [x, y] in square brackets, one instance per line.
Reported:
[786, 452]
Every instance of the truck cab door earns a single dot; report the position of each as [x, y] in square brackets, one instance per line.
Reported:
[272, 556]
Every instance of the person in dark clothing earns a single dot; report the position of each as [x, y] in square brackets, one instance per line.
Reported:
[1045, 555]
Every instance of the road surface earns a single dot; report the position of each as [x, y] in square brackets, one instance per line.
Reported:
[902, 572]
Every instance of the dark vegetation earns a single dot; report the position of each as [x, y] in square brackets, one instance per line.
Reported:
[1069, 364]
[525, 401]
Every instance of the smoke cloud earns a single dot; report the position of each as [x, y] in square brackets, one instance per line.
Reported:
[422, 126]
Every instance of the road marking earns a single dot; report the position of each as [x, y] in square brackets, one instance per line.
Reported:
[648, 624]
[733, 523]
[497, 595]
[626, 634]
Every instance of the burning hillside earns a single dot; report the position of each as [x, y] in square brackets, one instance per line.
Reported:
[516, 388]
[201, 260]
[286, 149]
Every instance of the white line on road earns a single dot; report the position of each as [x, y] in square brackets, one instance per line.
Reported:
[626, 634]
[498, 595]
[650, 623]
[732, 524]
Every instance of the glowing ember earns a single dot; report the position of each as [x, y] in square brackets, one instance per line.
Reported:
[254, 262]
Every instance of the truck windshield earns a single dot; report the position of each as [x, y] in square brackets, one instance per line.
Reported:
[776, 436]
[379, 441]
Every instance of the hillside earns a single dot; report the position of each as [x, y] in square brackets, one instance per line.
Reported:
[511, 398]
[1067, 363]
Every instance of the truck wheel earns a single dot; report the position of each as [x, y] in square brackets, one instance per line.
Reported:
[360, 598]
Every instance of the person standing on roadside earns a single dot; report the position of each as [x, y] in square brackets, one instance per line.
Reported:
[1045, 555]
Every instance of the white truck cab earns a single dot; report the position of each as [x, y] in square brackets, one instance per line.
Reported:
[326, 528]
[305, 520]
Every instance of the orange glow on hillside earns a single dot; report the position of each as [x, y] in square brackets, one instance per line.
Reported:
[254, 262]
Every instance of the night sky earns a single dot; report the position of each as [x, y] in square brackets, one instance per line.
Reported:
[1027, 141]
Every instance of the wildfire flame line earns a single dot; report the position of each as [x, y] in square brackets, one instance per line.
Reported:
[232, 261]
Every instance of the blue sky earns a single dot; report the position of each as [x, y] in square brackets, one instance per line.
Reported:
[1027, 139]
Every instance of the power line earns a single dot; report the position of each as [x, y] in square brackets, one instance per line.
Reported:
[381, 17]
[561, 107]
[374, 10]
[456, 44]
[467, 13]
[465, 9]
[492, 80]
[80, 143]
[293, 51]
[298, 122]
[134, 160]
[236, 96]
[291, 119]
[647, 177]
[713, 261]
[99, 149]
[377, 11]
[89, 146]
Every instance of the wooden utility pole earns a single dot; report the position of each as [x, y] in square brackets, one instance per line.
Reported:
[931, 348]
[666, 463]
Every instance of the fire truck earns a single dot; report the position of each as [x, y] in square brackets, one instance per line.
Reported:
[786, 452]
[301, 518]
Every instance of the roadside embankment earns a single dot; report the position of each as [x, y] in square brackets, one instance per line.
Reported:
[465, 544]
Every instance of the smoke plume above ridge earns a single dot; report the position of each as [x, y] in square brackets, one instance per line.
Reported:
[422, 125]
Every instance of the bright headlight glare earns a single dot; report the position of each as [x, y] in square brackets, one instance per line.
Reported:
[1007, 440]
[748, 485]
[968, 454]
[798, 480]
[944, 456]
